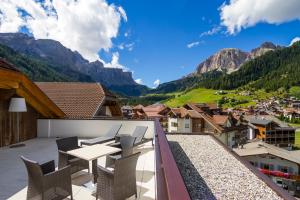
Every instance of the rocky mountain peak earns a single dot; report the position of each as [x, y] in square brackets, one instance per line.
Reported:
[230, 59]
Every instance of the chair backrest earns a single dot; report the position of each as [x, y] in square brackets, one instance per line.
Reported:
[34, 170]
[114, 130]
[139, 133]
[125, 169]
[127, 143]
[67, 144]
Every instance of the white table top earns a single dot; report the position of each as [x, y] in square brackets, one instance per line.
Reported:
[93, 152]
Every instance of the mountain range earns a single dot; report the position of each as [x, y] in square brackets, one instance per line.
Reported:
[268, 66]
[71, 64]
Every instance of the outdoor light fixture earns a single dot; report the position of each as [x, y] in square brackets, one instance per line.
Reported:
[17, 105]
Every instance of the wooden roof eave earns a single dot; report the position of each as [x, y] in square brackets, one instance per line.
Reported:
[33, 95]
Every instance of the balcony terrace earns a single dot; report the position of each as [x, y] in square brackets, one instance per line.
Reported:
[160, 175]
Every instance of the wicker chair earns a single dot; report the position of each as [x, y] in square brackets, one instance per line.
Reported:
[119, 183]
[45, 183]
[126, 143]
[64, 159]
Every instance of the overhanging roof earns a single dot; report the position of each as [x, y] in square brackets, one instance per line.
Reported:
[11, 78]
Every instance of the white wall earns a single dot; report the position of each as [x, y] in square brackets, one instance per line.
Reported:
[227, 138]
[170, 127]
[185, 121]
[251, 134]
[89, 128]
[181, 125]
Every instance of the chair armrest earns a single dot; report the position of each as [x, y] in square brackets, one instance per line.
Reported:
[48, 167]
[117, 145]
[63, 152]
[105, 170]
[54, 178]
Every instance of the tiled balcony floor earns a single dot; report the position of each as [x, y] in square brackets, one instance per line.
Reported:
[13, 181]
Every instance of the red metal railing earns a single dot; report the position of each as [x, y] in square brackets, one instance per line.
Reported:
[170, 184]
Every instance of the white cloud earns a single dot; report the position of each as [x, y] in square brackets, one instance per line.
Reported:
[123, 13]
[192, 44]
[123, 46]
[115, 62]
[156, 83]
[213, 31]
[127, 33]
[84, 26]
[139, 81]
[130, 46]
[239, 14]
[296, 39]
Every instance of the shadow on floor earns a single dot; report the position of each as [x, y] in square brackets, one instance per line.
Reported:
[196, 185]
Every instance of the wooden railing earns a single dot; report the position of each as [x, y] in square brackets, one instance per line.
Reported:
[170, 185]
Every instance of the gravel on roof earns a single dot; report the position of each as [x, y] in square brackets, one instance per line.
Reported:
[210, 172]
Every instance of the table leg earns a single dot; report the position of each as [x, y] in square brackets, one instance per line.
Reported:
[91, 184]
[94, 170]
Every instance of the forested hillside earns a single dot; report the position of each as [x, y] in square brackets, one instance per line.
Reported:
[38, 70]
[276, 69]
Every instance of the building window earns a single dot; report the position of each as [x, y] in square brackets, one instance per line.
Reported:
[283, 169]
[174, 124]
[266, 166]
[187, 125]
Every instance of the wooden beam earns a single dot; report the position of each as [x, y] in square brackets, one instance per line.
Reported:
[31, 92]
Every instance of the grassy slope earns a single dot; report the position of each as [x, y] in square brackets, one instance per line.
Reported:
[297, 139]
[209, 96]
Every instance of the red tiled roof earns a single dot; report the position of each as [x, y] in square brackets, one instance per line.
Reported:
[138, 107]
[153, 110]
[206, 117]
[220, 119]
[77, 100]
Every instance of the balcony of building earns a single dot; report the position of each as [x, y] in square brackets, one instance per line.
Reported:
[177, 166]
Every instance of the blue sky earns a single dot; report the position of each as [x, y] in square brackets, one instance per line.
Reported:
[151, 37]
[161, 31]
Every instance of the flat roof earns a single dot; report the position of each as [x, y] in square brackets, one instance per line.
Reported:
[211, 172]
[260, 148]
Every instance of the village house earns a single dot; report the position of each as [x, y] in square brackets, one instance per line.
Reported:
[138, 112]
[127, 111]
[291, 113]
[281, 165]
[271, 132]
[198, 118]
[82, 100]
[154, 111]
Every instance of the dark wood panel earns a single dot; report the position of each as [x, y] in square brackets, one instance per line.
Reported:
[8, 124]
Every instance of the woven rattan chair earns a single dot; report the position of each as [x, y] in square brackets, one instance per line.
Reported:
[44, 183]
[120, 183]
[125, 143]
[64, 159]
